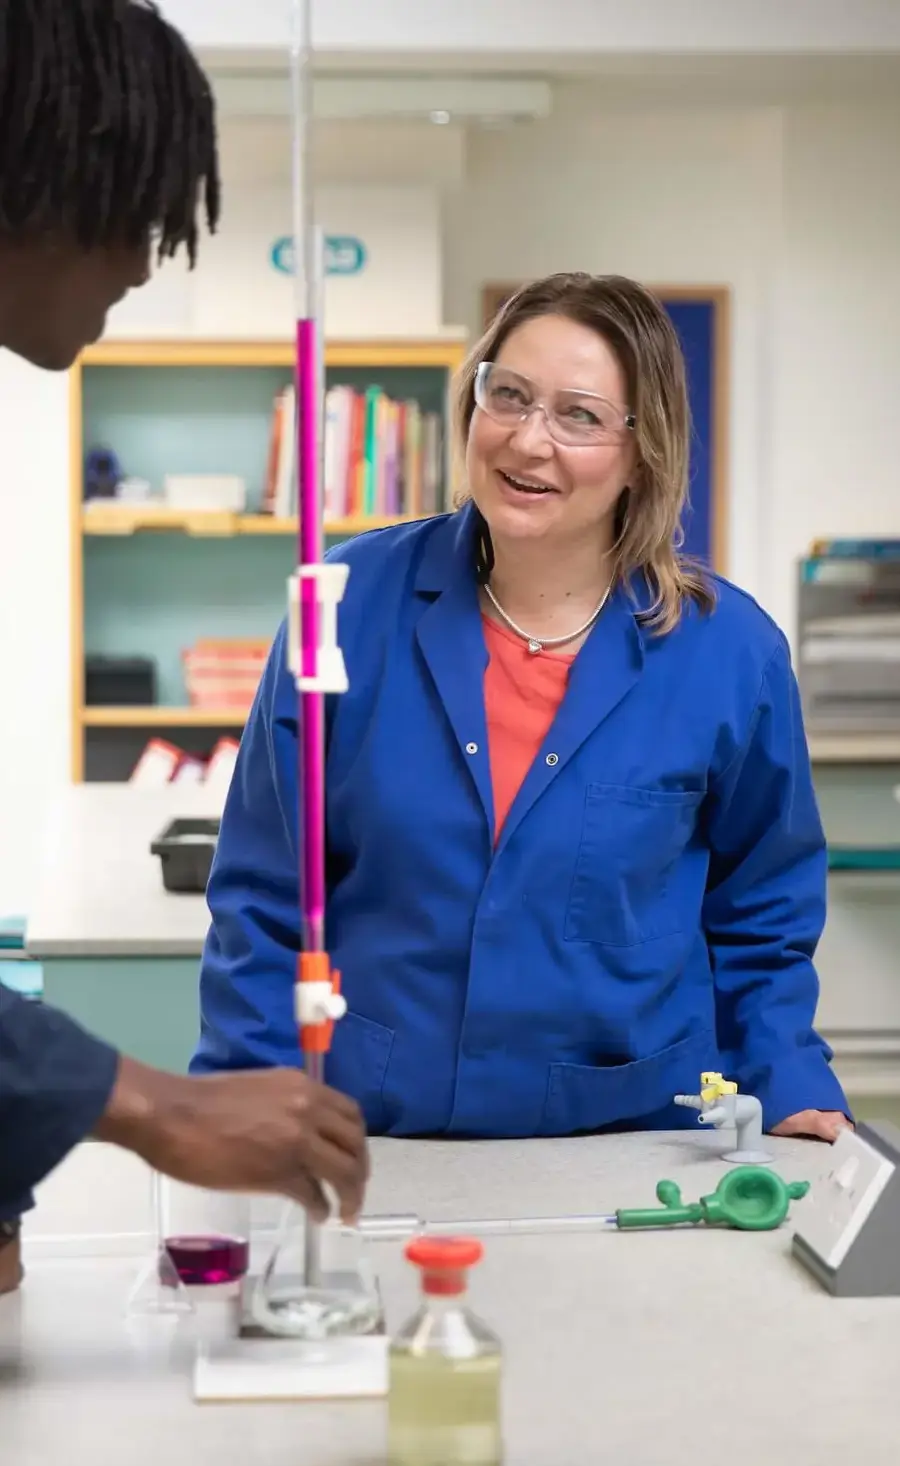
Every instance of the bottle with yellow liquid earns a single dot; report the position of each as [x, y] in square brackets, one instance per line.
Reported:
[444, 1404]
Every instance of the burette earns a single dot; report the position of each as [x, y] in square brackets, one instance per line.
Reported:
[316, 589]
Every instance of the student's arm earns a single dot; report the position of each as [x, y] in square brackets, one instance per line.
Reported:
[765, 909]
[55, 1082]
[275, 1132]
[248, 970]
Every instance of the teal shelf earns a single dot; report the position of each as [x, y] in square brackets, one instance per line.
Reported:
[155, 595]
[182, 420]
[174, 420]
[182, 409]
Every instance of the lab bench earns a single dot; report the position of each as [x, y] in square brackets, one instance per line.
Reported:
[647, 1347]
[119, 952]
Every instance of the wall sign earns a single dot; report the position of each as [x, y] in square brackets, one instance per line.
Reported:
[382, 275]
[344, 255]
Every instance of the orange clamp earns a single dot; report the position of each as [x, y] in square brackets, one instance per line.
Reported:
[314, 970]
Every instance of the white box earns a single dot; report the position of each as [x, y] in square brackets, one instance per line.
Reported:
[216, 491]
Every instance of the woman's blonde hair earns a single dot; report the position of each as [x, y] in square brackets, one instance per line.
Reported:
[648, 517]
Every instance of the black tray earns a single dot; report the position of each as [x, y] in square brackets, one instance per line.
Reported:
[186, 849]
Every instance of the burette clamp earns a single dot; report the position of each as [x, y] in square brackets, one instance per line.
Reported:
[320, 586]
[319, 1003]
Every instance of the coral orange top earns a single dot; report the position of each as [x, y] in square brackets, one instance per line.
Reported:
[522, 693]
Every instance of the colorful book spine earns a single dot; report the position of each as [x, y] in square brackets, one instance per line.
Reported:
[383, 459]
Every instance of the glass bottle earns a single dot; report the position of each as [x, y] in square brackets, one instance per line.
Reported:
[444, 1400]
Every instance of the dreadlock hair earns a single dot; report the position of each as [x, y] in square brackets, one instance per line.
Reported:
[107, 126]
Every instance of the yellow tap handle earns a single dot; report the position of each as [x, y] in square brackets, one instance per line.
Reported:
[713, 1087]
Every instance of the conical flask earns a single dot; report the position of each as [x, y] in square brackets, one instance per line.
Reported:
[318, 1283]
[157, 1289]
[201, 1241]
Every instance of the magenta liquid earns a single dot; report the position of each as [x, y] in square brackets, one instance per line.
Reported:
[204, 1262]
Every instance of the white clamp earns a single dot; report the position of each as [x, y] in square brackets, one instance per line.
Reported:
[316, 1003]
[330, 579]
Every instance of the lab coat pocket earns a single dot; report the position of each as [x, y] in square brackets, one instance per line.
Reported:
[358, 1063]
[623, 891]
[585, 1097]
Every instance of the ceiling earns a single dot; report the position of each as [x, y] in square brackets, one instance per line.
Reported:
[761, 80]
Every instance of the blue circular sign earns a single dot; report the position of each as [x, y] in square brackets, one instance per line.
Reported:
[282, 255]
[344, 255]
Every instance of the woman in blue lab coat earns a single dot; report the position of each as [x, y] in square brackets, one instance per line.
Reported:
[574, 854]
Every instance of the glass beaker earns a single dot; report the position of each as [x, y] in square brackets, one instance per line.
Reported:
[318, 1285]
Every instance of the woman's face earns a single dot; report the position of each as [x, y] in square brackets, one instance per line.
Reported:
[565, 489]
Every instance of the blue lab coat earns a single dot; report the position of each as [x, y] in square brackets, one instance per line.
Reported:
[650, 910]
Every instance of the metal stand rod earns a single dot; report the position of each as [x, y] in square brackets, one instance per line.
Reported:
[312, 1236]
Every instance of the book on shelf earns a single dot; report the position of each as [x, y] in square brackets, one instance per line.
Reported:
[382, 458]
[225, 672]
[162, 762]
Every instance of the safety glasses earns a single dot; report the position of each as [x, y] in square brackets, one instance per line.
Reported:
[574, 419]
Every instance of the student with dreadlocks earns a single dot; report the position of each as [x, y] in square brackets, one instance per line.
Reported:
[107, 159]
[107, 156]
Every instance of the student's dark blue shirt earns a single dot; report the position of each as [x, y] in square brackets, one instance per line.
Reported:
[55, 1083]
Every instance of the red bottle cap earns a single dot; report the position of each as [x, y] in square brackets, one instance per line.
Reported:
[444, 1262]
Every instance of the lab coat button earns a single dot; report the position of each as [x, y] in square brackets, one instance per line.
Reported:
[552, 760]
[471, 748]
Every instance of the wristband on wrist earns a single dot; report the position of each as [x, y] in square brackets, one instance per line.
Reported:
[9, 1231]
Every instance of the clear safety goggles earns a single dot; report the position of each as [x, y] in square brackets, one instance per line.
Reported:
[574, 419]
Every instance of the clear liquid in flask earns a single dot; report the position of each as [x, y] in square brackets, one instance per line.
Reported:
[316, 1293]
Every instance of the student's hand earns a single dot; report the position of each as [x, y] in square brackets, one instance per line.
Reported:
[814, 1124]
[270, 1130]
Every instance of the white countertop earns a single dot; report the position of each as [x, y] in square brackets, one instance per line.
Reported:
[100, 890]
[651, 1348]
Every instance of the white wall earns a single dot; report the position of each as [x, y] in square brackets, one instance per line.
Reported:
[837, 343]
[684, 197]
[798, 210]
[34, 615]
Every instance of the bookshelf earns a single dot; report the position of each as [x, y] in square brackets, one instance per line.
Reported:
[150, 579]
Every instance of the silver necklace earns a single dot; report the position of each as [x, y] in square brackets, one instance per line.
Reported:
[537, 644]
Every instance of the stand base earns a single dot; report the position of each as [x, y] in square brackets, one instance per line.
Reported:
[748, 1157]
[281, 1369]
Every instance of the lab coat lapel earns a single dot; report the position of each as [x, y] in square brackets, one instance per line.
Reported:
[452, 643]
[604, 672]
